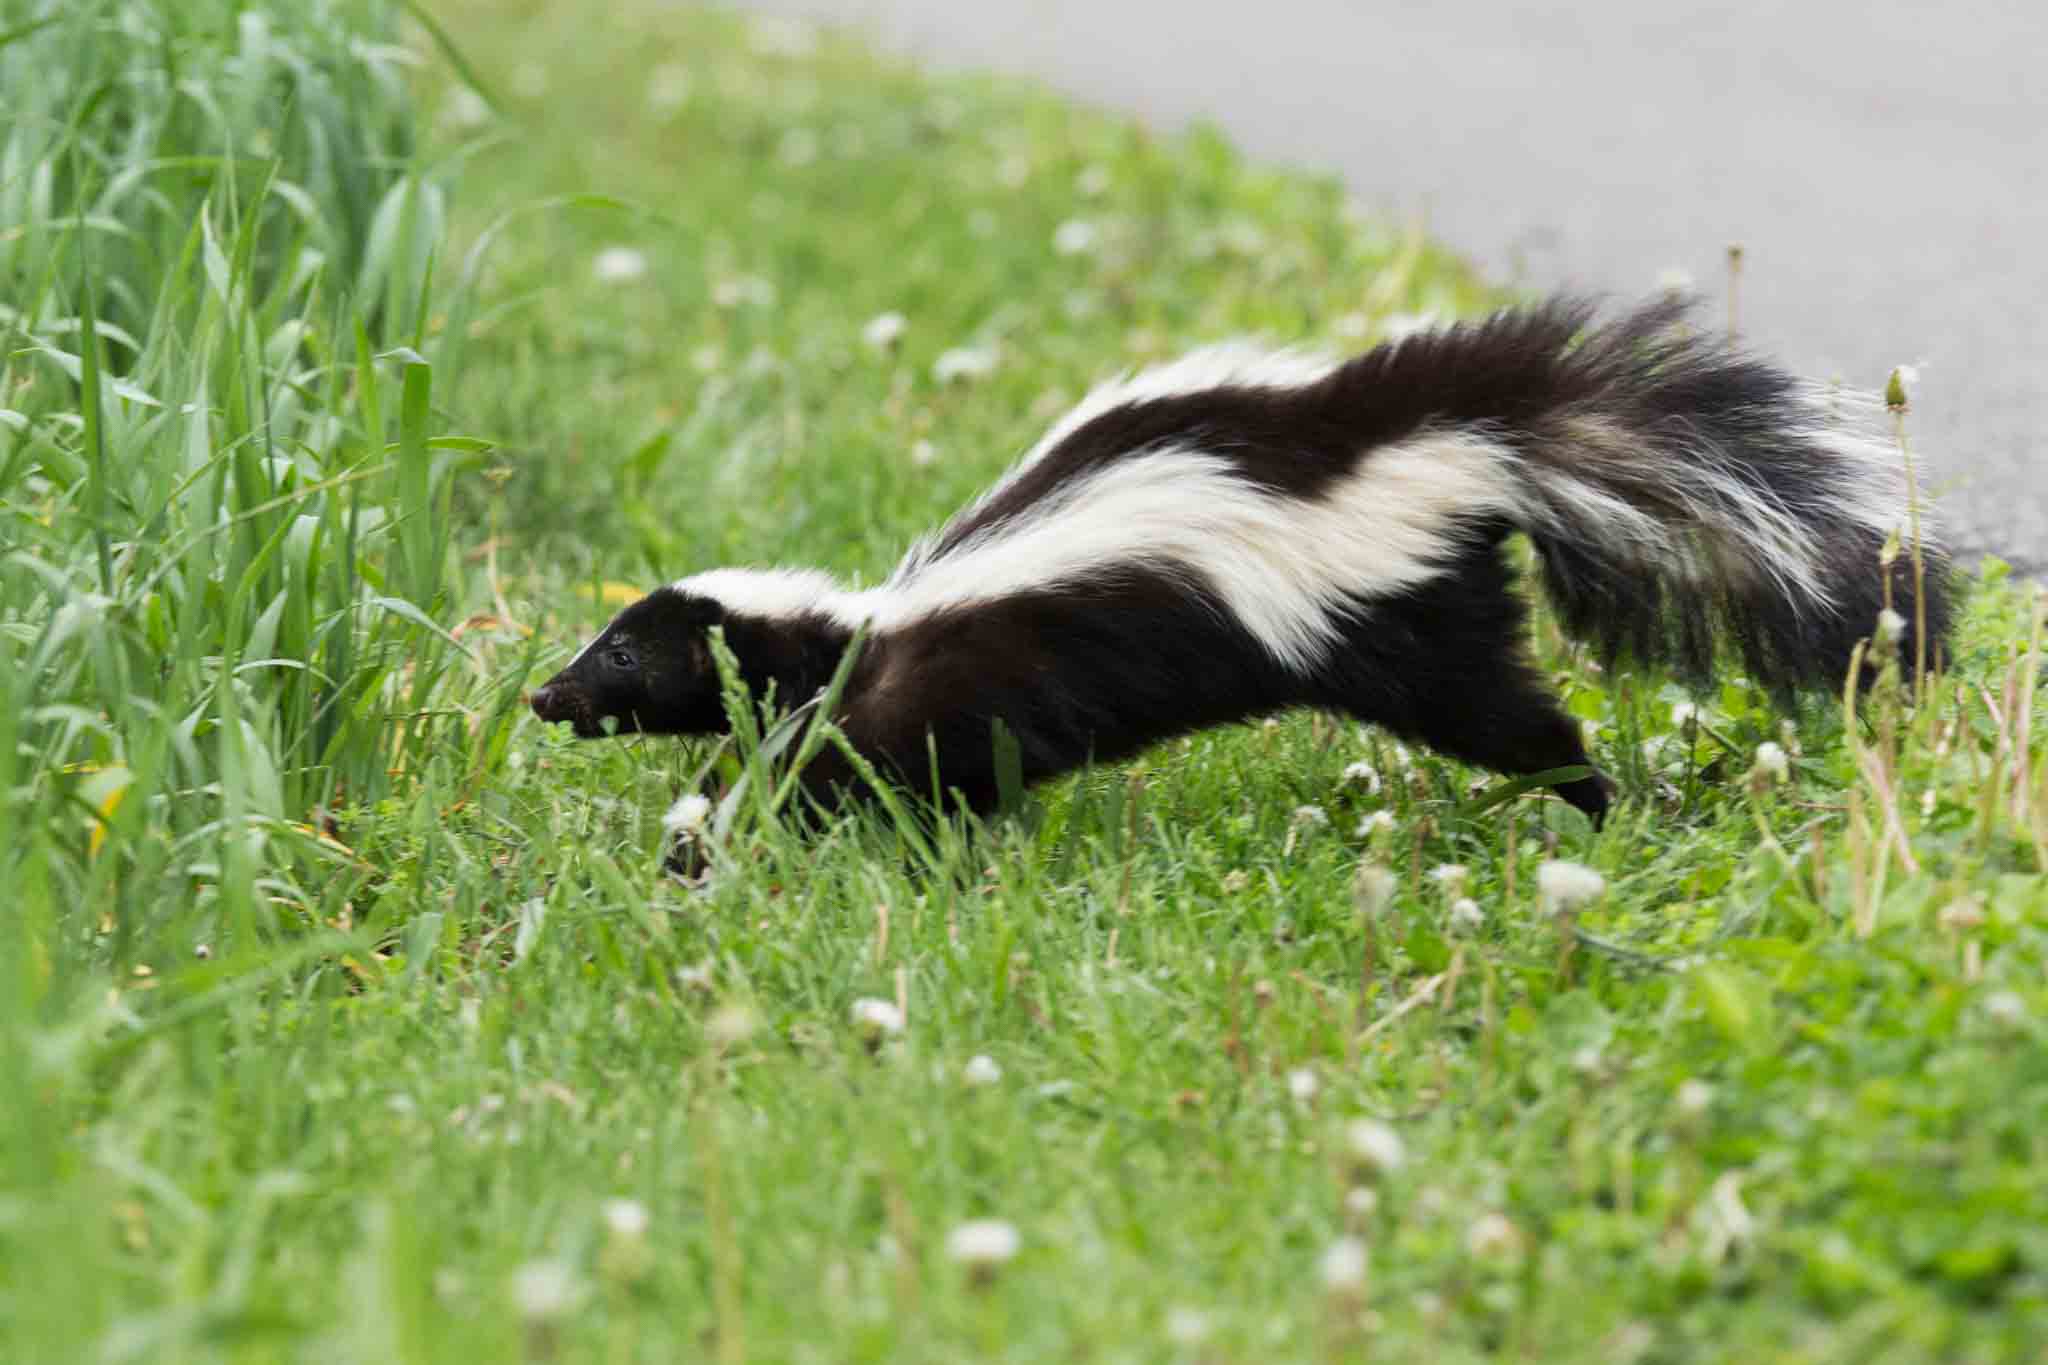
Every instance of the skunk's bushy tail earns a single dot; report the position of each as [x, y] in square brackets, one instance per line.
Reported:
[1681, 493]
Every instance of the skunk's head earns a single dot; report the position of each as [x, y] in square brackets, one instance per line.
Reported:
[649, 671]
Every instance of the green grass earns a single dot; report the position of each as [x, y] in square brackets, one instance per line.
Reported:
[338, 998]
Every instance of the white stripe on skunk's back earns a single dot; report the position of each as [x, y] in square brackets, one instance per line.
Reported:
[1287, 569]
[1239, 364]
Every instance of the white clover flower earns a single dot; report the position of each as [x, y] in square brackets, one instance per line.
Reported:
[1372, 888]
[1466, 917]
[619, 264]
[687, 818]
[1772, 762]
[1375, 1147]
[627, 1218]
[964, 362]
[1891, 627]
[1363, 775]
[981, 1069]
[2006, 1009]
[1303, 1083]
[884, 330]
[1310, 817]
[668, 87]
[545, 1291]
[1342, 1267]
[1563, 885]
[1075, 237]
[983, 1243]
[1361, 1201]
[1694, 1097]
[1492, 1235]
[1187, 1326]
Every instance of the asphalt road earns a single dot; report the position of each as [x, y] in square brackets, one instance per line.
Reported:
[1883, 164]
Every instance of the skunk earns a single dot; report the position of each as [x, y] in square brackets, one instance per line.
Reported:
[1245, 530]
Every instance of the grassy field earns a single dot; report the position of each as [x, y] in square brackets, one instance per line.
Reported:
[344, 1013]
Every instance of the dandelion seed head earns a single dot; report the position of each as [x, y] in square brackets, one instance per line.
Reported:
[730, 1025]
[1772, 761]
[619, 264]
[1684, 713]
[688, 816]
[626, 1218]
[983, 1243]
[2006, 1009]
[1678, 281]
[884, 330]
[874, 1018]
[1375, 1147]
[1491, 1236]
[1891, 627]
[1466, 917]
[1363, 775]
[1379, 822]
[981, 1070]
[1563, 884]
[544, 1291]
[1694, 1097]
[1450, 876]
[1187, 1326]
[1372, 888]
[1342, 1266]
[1361, 1201]
[923, 454]
[1303, 1084]
[964, 362]
[1075, 237]
[1310, 817]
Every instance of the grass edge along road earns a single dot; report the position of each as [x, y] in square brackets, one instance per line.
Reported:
[352, 1018]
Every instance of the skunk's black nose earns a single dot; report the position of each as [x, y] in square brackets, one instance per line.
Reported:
[546, 703]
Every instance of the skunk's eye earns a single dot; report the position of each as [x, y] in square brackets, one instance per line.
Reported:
[623, 659]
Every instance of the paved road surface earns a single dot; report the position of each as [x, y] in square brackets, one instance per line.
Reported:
[1885, 164]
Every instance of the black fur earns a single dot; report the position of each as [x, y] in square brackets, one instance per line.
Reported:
[1102, 669]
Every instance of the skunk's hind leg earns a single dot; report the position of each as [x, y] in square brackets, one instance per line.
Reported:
[1447, 668]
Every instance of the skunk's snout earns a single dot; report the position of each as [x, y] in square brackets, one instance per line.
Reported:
[549, 703]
